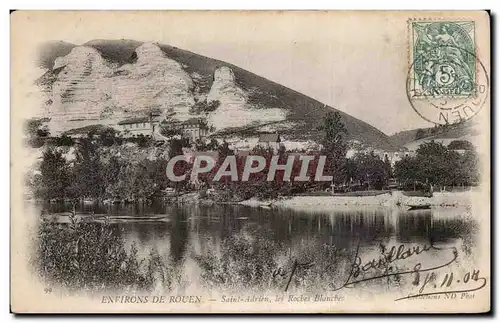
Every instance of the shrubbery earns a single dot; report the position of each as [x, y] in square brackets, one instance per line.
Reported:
[91, 256]
[438, 165]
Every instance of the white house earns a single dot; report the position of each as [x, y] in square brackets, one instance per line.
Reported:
[140, 125]
[269, 140]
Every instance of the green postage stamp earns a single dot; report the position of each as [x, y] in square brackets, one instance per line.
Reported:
[443, 58]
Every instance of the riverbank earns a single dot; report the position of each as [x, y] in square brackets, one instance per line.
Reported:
[326, 202]
[389, 199]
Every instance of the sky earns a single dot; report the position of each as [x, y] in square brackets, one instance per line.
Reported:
[357, 63]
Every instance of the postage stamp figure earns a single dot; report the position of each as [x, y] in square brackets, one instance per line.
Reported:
[444, 59]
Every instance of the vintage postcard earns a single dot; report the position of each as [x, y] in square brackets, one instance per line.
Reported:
[250, 162]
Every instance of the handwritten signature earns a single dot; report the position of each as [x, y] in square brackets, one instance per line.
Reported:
[431, 280]
[296, 265]
[359, 269]
[396, 253]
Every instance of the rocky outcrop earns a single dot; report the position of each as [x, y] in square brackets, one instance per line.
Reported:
[76, 93]
[234, 109]
[89, 87]
[224, 88]
[154, 80]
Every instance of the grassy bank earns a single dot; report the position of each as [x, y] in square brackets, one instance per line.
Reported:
[385, 199]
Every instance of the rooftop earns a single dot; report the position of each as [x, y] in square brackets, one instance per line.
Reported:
[96, 128]
[194, 121]
[134, 120]
[269, 137]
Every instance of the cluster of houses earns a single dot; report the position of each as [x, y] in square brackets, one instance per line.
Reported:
[193, 128]
[196, 129]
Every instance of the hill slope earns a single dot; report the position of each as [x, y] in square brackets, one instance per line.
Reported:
[109, 79]
[50, 51]
[445, 134]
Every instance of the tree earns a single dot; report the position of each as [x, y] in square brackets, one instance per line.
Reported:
[224, 150]
[55, 175]
[438, 165]
[153, 113]
[107, 137]
[88, 170]
[34, 128]
[42, 133]
[435, 163]
[143, 141]
[350, 170]
[213, 145]
[406, 170]
[176, 146]
[371, 169]
[35, 132]
[388, 165]
[469, 168]
[460, 145]
[64, 140]
[123, 185]
[169, 126]
[144, 182]
[334, 145]
[111, 173]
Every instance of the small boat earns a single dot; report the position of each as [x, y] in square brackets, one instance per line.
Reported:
[266, 205]
[57, 214]
[132, 219]
[136, 218]
[89, 201]
[419, 207]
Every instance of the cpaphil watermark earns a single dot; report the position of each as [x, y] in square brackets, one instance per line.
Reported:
[297, 168]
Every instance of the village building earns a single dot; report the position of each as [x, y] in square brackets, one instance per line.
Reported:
[269, 140]
[135, 126]
[74, 126]
[83, 132]
[142, 125]
[195, 129]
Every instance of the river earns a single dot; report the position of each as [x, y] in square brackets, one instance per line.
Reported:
[193, 238]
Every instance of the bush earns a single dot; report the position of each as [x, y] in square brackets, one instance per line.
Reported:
[91, 256]
[64, 140]
[260, 263]
[36, 142]
[242, 264]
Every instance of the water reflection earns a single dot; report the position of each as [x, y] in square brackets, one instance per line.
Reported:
[199, 226]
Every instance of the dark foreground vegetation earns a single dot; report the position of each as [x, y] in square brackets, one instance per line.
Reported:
[89, 256]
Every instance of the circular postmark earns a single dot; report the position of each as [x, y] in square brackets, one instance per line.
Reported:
[447, 84]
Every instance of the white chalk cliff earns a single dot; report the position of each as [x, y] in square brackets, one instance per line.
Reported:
[105, 81]
[234, 110]
[91, 89]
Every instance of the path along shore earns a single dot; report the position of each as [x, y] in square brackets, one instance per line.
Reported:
[390, 199]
